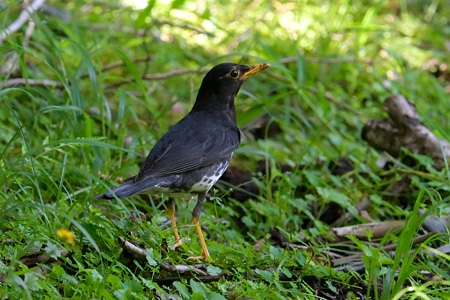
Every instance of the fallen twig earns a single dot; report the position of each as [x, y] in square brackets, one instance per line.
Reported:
[11, 65]
[204, 279]
[37, 257]
[167, 266]
[404, 129]
[23, 17]
[435, 223]
[32, 82]
[183, 268]
[41, 258]
[364, 231]
[132, 248]
[363, 205]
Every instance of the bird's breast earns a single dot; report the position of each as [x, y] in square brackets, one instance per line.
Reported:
[210, 176]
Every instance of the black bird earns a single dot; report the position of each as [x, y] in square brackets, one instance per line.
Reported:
[195, 152]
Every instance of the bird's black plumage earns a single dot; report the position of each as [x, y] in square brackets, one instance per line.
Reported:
[195, 152]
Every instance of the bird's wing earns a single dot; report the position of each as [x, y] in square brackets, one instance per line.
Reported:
[184, 148]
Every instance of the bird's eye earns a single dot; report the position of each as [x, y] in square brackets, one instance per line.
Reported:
[234, 74]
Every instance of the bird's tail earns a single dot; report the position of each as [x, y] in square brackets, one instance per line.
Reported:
[131, 187]
[125, 190]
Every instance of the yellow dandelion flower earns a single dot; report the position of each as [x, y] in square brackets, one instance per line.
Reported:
[66, 235]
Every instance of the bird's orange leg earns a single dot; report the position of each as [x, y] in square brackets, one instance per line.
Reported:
[171, 211]
[196, 220]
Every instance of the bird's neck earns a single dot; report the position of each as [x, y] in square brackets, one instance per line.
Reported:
[211, 103]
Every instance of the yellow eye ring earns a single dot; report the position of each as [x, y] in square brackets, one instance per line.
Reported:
[234, 74]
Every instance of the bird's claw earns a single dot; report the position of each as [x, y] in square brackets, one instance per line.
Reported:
[180, 242]
[195, 258]
[204, 257]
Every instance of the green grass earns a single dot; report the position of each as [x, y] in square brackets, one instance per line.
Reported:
[332, 66]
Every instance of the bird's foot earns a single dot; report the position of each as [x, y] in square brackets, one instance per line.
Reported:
[204, 257]
[180, 242]
[177, 244]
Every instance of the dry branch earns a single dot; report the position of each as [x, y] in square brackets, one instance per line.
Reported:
[11, 65]
[361, 206]
[132, 248]
[38, 258]
[404, 129]
[436, 224]
[368, 230]
[141, 254]
[41, 258]
[23, 17]
[32, 82]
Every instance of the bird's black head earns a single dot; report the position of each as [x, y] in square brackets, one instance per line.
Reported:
[221, 84]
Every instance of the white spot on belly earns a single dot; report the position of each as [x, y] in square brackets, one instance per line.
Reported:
[209, 180]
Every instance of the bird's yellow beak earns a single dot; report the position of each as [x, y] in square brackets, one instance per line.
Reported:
[253, 70]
